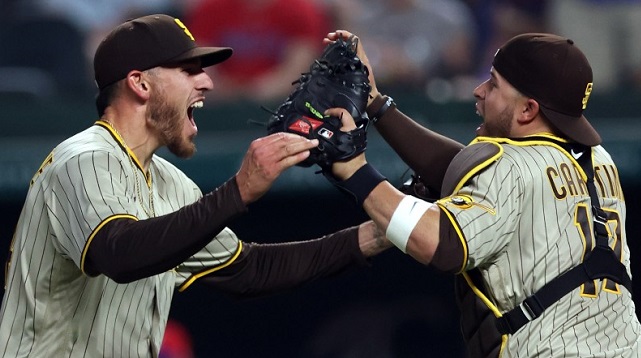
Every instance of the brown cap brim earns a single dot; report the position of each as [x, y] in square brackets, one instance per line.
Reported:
[577, 129]
[208, 55]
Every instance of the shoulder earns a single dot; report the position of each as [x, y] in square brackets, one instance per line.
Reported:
[503, 153]
[94, 137]
[93, 143]
[469, 162]
[601, 156]
[170, 173]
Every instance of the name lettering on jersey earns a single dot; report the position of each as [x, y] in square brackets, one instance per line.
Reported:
[565, 180]
[607, 180]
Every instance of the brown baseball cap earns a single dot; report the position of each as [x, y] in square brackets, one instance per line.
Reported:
[553, 71]
[147, 42]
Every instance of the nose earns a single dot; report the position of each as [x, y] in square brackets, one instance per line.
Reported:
[204, 82]
[479, 91]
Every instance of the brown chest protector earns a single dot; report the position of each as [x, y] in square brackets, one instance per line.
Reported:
[485, 332]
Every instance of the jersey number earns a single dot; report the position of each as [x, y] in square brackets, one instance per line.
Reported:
[582, 222]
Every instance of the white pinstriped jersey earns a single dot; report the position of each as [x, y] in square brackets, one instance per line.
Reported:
[525, 218]
[50, 307]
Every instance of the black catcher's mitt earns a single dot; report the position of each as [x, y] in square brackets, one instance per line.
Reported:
[337, 79]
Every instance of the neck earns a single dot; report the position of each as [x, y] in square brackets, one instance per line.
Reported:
[136, 139]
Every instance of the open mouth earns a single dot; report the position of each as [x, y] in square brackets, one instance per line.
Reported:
[190, 111]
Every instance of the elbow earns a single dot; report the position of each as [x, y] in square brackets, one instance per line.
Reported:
[421, 256]
[121, 276]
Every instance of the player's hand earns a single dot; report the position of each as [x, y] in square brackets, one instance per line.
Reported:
[266, 159]
[345, 169]
[360, 52]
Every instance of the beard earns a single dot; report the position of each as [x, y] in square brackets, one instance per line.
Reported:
[167, 119]
[501, 127]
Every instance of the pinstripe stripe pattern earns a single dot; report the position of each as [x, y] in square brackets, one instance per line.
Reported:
[520, 219]
[50, 308]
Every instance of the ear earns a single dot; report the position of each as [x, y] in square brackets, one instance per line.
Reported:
[529, 111]
[138, 83]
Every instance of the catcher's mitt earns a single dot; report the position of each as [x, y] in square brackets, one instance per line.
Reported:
[337, 79]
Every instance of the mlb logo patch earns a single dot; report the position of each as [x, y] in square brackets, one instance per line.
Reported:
[304, 124]
[325, 133]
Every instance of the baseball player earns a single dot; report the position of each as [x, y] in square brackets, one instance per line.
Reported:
[109, 229]
[531, 215]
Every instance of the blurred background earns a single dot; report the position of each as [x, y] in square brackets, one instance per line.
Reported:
[428, 54]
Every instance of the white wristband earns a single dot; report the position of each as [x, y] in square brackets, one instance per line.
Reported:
[407, 214]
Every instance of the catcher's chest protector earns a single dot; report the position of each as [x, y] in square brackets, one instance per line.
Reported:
[478, 323]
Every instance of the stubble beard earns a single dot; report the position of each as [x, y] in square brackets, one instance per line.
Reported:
[168, 121]
[502, 127]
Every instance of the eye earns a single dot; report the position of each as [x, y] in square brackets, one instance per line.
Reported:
[192, 70]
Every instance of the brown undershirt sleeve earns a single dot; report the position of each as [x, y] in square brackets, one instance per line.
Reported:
[266, 268]
[450, 254]
[426, 152]
[127, 250]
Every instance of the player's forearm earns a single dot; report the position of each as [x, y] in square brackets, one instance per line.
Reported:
[372, 240]
[422, 238]
[127, 250]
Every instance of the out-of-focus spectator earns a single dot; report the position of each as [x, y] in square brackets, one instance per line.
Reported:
[85, 23]
[96, 17]
[42, 58]
[177, 342]
[609, 33]
[412, 42]
[274, 41]
[498, 21]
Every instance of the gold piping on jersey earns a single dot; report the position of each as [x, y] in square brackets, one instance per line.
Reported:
[194, 277]
[133, 160]
[95, 231]
[538, 139]
[121, 143]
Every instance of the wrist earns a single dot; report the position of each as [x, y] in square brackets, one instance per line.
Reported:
[379, 106]
[361, 183]
[373, 94]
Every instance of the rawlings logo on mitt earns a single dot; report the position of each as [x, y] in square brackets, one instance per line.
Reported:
[337, 79]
